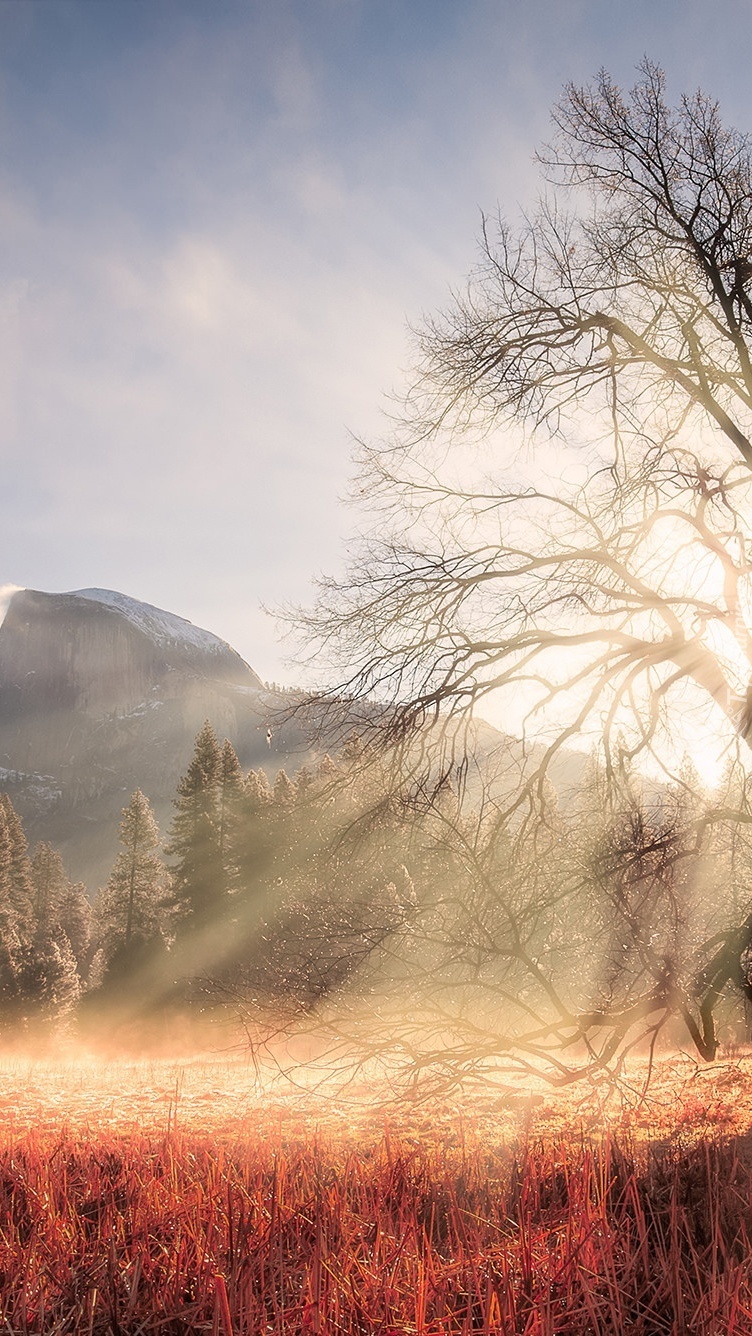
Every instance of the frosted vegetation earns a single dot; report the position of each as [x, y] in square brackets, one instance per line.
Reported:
[417, 934]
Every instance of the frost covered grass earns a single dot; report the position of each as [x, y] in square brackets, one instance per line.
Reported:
[181, 1206]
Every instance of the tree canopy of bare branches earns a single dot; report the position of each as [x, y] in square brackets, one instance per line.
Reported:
[562, 526]
[595, 554]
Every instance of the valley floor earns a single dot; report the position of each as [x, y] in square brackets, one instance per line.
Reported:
[225, 1094]
[192, 1195]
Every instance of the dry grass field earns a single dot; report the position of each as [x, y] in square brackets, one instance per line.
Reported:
[179, 1196]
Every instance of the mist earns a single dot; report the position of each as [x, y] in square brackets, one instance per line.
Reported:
[6, 593]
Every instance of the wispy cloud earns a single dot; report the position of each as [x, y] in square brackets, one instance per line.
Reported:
[216, 221]
[6, 593]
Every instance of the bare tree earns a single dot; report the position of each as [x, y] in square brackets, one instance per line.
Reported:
[592, 555]
[621, 323]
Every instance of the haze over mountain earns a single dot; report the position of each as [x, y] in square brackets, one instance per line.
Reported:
[101, 694]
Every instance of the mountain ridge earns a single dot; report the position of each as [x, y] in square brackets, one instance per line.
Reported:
[100, 694]
[165, 628]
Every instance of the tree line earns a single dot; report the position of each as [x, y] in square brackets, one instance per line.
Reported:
[401, 914]
[247, 897]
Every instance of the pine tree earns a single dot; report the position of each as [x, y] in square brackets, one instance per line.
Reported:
[49, 978]
[254, 840]
[285, 790]
[730, 845]
[10, 947]
[130, 911]
[231, 810]
[39, 971]
[60, 906]
[16, 912]
[327, 769]
[20, 887]
[50, 884]
[7, 917]
[199, 886]
[305, 780]
[11, 962]
[258, 792]
[74, 919]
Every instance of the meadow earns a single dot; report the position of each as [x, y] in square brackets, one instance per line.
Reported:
[187, 1196]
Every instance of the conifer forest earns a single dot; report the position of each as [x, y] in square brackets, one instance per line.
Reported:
[332, 899]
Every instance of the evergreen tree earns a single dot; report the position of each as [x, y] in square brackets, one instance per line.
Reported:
[231, 810]
[49, 980]
[258, 792]
[39, 972]
[11, 959]
[50, 884]
[199, 885]
[59, 905]
[130, 909]
[285, 790]
[305, 780]
[74, 919]
[20, 888]
[254, 843]
[730, 844]
[10, 946]
[327, 769]
[7, 917]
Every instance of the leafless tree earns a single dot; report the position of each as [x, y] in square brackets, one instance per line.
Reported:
[618, 319]
[563, 515]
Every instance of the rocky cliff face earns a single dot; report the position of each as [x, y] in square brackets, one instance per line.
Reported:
[101, 694]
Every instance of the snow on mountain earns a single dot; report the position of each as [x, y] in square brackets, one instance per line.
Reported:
[163, 628]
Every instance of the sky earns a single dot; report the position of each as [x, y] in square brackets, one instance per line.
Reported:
[217, 220]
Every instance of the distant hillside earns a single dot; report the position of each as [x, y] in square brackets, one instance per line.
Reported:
[101, 694]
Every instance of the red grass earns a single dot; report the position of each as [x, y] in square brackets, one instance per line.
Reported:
[320, 1222]
[184, 1236]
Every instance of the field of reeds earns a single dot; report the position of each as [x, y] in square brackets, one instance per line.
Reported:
[157, 1197]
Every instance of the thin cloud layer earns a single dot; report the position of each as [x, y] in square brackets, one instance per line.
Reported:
[6, 593]
[216, 222]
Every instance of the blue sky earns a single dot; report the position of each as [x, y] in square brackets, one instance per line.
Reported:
[216, 218]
